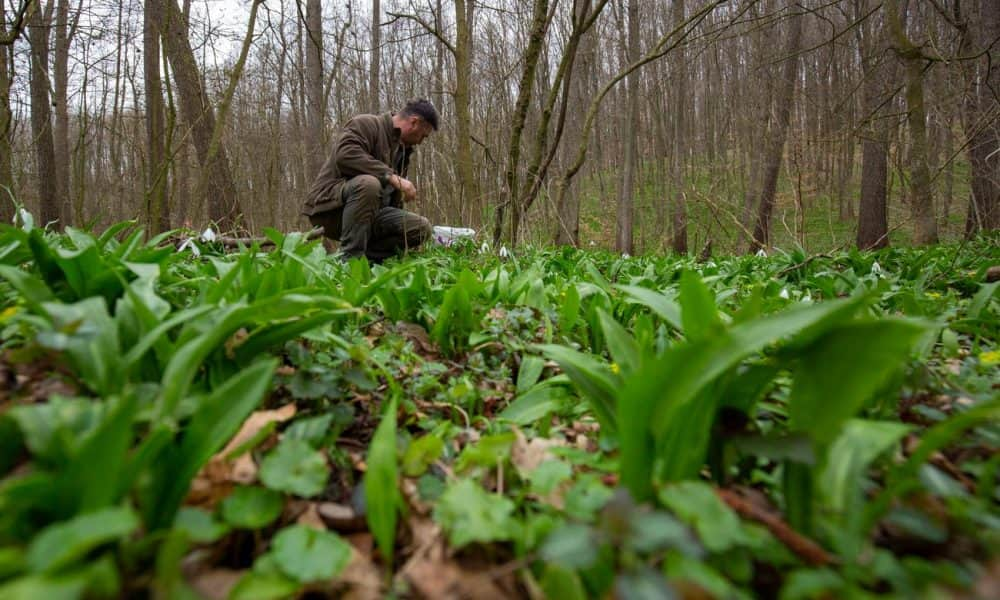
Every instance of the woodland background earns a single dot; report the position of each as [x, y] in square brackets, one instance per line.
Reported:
[641, 125]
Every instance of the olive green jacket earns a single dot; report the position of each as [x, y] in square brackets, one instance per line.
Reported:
[366, 145]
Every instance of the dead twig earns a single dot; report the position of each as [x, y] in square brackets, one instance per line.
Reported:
[803, 547]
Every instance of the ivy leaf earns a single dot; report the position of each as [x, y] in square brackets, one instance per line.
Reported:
[469, 514]
[308, 554]
[251, 507]
[294, 467]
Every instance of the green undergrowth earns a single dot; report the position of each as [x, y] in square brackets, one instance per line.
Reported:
[554, 423]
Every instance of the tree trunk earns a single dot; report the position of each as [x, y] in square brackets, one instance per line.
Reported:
[6, 119]
[315, 107]
[60, 80]
[218, 188]
[921, 200]
[373, 73]
[626, 193]
[157, 210]
[41, 119]
[979, 111]
[680, 237]
[469, 189]
[776, 146]
[873, 226]
[539, 27]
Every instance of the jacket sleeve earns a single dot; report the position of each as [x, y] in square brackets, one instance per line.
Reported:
[355, 151]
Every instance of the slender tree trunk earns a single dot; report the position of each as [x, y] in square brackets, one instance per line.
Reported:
[315, 107]
[630, 129]
[921, 200]
[41, 118]
[979, 117]
[218, 187]
[776, 147]
[679, 110]
[374, 68]
[157, 211]
[469, 188]
[539, 27]
[568, 208]
[873, 226]
[6, 120]
[60, 79]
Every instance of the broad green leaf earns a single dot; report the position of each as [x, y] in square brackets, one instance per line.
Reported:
[541, 400]
[198, 525]
[264, 586]
[218, 417]
[572, 546]
[841, 371]
[698, 311]
[381, 484]
[529, 372]
[696, 504]
[560, 582]
[594, 379]
[469, 514]
[859, 443]
[296, 468]
[61, 544]
[420, 454]
[488, 452]
[308, 554]
[313, 429]
[664, 307]
[251, 507]
[621, 346]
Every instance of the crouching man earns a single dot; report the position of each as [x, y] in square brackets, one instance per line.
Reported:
[358, 196]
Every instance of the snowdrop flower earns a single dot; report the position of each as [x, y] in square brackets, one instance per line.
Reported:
[484, 248]
[593, 243]
[189, 243]
[761, 253]
[876, 269]
[626, 255]
[784, 293]
[208, 235]
[504, 252]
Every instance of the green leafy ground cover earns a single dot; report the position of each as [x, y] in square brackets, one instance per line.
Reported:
[272, 423]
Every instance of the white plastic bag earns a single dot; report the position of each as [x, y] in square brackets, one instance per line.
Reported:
[447, 236]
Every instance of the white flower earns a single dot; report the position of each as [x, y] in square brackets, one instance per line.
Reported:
[504, 252]
[784, 293]
[208, 235]
[484, 248]
[761, 253]
[189, 243]
[876, 269]
[626, 255]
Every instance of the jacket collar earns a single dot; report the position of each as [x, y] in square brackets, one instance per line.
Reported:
[392, 130]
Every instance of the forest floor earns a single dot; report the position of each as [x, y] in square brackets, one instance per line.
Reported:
[272, 423]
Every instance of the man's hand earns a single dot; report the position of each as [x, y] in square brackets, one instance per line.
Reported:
[405, 186]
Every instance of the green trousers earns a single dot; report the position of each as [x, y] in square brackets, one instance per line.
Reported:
[368, 224]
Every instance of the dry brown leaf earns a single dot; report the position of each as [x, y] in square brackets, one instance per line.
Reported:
[310, 518]
[361, 579]
[255, 422]
[215, 584]
[445, 579]
[527, 455]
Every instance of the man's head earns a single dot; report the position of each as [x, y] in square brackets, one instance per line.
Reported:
[416, 121]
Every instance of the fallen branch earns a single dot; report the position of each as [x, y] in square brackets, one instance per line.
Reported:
[263, 242]
[803, 547]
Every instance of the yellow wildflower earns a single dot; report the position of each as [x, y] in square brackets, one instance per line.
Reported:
[615, 368]
[932, 294]
[990, 358]
[7, 313]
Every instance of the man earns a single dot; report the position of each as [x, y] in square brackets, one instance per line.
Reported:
[358, 196]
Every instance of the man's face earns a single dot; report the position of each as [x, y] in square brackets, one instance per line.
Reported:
[414, 131]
